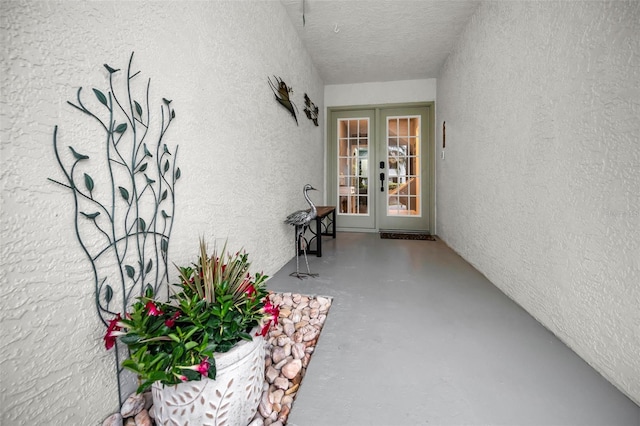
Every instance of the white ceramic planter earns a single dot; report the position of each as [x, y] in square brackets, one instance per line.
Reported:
[231, 399]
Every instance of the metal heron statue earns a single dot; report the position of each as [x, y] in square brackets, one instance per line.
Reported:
[301, 219]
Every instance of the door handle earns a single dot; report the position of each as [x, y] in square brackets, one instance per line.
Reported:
[381, 182]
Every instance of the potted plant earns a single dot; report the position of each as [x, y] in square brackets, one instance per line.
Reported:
[202, 351]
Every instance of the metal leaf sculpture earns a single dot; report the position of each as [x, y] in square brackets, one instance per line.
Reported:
[310, 109]
[282, 92]
[128, 253]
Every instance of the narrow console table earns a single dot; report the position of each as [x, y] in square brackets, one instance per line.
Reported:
[325, 224]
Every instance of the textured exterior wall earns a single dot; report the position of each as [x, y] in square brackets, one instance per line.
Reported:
[243, 162]
[539, 188]
[389, 92]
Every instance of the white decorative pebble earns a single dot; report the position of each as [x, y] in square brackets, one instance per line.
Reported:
[291, 369]
[133, 405]
[113, 420]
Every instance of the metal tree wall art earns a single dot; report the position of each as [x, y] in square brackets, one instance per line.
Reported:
[282, 92]
[123, 224]
[310, 109]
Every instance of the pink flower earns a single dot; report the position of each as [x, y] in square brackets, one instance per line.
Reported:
[113, 330]
[152, 309]
[272, 310]
[183, 378]
[202, 368]
[172, 321]
[251, 290]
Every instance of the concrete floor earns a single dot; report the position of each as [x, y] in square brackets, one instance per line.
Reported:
[417, 336]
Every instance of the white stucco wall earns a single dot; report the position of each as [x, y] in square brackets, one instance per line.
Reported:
[388, 92]
[243, 160]
[540, 184]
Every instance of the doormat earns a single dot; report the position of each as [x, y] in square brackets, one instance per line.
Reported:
[406, 236]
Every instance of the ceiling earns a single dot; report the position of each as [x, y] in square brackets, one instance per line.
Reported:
[357, 41]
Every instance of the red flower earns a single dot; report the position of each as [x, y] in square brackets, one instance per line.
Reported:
[265, 328]
[112, 332]
[172, 321]
[152, 309]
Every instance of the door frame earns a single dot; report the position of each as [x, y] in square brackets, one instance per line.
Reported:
[331, 167]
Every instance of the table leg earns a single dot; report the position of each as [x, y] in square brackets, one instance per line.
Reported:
[319, 236]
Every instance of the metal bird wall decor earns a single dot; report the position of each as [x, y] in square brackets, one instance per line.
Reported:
[301, 219]
[282, 92]
[310, 109]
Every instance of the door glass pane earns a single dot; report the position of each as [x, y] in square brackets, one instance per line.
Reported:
[403, 160]
[353, 166]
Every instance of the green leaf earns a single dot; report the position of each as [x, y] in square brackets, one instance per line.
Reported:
[165, 215]
[124, 193]
[149, 266]
[129, 364]
[190, 345]
[121, 128]
[101, 97]
[173, 113]
[178, 174]
[166, 101]
[164, 245]
[138, 108]
[166, 166]
[178, 351]
[164, 197]
[130, 339]
[143, 167]
[190, 374]
[90, 215]
[108, 293]
[173, 337]
[130, 270]
[166, 150]
[78, 156]
[149, 180]
[146, 151]
[141, 224]
[88, 181]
